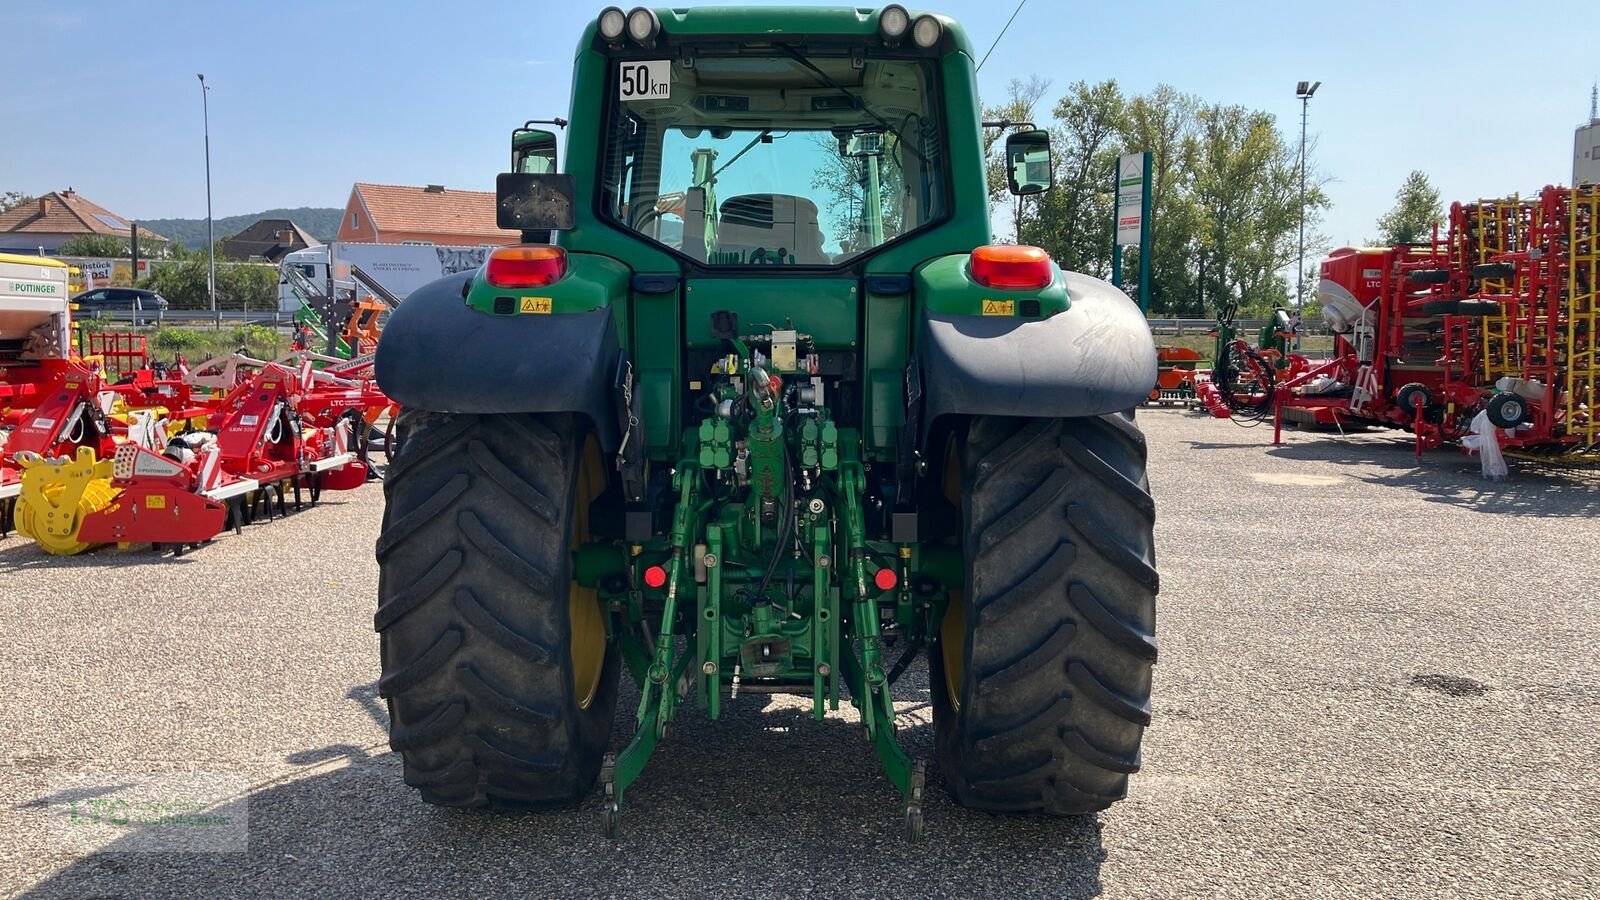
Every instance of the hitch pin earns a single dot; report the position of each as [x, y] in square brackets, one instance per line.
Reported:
[735, 694]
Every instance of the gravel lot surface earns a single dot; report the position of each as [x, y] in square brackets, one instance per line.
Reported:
[1377, 679]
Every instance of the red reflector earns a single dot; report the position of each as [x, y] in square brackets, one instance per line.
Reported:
[885, 579]
[655, 576]
[526, 266]
[1011, 267]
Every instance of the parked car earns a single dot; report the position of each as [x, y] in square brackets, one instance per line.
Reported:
[97, 302]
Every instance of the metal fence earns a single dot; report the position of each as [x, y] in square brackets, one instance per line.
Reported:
[188, 317]
[276, 319]
[1182, 327]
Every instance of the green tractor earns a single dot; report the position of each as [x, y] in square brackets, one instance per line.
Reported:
[757, 408]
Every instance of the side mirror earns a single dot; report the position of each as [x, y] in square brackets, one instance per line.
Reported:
[859, 144]
[527, 202]
[533, 151]
[1028, 164]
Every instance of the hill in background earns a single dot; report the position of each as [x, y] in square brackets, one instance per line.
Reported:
[321, 221]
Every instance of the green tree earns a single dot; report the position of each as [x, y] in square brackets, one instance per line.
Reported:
[12, 199]
[109, 246]
[247, 286]
[1246, 192]
[1159, 122]
[1022, 97]
[1073, 221]
[1225, 194]
[239, 285]
[104, 246]
[1417, 209]
[182, 282]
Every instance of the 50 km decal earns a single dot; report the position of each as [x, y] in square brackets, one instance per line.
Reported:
[647, 80]
[535, 305]
[999, 307]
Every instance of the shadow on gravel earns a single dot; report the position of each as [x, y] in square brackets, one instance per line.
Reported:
[19, 554]
[762, 802]
[1442, 476]
[1218, 445]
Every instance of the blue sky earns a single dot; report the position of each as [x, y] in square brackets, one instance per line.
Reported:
[102, 95]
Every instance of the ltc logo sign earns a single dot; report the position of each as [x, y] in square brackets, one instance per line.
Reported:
[1130, 197]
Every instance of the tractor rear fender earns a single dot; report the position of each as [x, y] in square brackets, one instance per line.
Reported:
[1093, 358]
[439, 354]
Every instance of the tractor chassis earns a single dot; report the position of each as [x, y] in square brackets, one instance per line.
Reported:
[666, 665]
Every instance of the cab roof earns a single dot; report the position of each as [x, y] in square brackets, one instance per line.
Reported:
[780, 22]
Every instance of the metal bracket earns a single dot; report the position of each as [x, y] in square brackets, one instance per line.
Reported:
[630, 421]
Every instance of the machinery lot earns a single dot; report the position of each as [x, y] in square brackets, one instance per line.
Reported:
[1376, 679]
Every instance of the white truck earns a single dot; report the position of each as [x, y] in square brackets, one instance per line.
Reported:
[400, 268]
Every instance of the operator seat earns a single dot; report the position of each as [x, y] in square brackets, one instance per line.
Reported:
[753, 228]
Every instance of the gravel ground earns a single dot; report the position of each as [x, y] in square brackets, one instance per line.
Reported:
[1332, 716]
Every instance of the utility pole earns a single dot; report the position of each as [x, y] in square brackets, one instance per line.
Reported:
[211, 238]
[1304, 92]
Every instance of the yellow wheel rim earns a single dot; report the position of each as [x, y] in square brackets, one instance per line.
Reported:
[57, 496]
[953, 630]
[583, 603]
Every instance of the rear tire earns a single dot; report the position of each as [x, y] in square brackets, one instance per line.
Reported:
[491, 699]
[1041, 680]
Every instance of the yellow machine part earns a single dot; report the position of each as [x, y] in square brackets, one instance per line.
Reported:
[57, 495]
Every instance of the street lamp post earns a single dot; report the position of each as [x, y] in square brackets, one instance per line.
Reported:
[210, 239]
[1303, 90]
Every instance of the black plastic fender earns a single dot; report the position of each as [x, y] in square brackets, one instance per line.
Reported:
[1096, 357]
[437, 353]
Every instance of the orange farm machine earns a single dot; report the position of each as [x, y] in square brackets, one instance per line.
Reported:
[1498, 316]
[1178, 370]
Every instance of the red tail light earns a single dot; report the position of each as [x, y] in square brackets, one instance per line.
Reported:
[655, 577]
[526, 266]
[1011, 267]
[885, 578]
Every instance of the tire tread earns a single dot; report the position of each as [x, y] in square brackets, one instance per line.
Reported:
[473, 612]
[1060, 596]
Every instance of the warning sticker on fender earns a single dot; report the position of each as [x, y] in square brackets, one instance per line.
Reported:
[999, 307]
[541, 305]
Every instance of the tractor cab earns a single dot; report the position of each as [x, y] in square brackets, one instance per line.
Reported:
[791, 157]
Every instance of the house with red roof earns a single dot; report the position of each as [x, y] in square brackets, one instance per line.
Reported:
[432, 214]
[47, 222]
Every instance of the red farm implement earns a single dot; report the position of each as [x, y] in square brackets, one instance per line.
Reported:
[1498, 318]
[119, 352]
[59, 414]
[276, 432]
